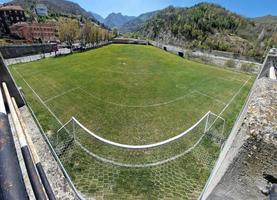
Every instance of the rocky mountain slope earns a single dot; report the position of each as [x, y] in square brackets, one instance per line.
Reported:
[117, 20]
[97, 17]
[55, 6]
[269, 19]
[201, 25]
[208, 26]
[134, 24]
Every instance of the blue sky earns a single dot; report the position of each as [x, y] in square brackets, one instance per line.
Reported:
[249, 8]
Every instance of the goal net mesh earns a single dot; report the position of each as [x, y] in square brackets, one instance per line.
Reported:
[173, 169]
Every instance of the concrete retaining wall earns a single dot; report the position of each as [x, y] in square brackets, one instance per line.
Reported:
[14, 51]
[5, 76]
[129, 41]
[215, 57]
[236, 140]
[271, 60]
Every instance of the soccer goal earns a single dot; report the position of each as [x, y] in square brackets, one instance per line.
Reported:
[100, 167]
[149, 155]
[126, 155]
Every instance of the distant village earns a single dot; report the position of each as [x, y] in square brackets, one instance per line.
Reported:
[15, 26]
[19, 26]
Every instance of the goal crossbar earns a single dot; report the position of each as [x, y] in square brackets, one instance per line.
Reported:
[137, 147]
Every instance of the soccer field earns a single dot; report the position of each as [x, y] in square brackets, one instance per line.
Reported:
[133, 95]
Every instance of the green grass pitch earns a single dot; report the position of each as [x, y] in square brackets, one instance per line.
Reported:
[134, 95]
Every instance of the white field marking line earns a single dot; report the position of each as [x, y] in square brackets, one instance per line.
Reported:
[149, 164]
[51, 112]
[209, 96]
[140, 73]
[141, 165]
[140, 147]
[231, 79]
[231, 100]
[110, 142]
[63, 93]
[133, 106]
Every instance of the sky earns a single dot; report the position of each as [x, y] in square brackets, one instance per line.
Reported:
[247, 8]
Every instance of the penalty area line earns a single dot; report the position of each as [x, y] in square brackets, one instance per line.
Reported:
[134, 106]
[39, 98]
[59, 95]
[209, 96]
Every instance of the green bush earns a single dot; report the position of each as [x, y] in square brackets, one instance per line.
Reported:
[188, 54]
[205, 59]
[230, 64]
[247, 67]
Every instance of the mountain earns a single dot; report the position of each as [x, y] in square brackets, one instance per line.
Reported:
[134, 24]
[265, 26]
[55, 6]
[208, 26]
[117, 20]
[269, 19]
[97, 17]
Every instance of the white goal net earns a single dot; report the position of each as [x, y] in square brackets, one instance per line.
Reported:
[164, 162]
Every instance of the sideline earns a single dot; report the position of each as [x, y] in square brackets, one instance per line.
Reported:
[52, 113]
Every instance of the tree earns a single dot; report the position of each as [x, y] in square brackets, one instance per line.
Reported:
[115, 32]
[87, 33]
[69, 30]
[274, 38]
[95, 34]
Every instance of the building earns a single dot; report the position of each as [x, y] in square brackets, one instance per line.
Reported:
[41, 10]
[9, 15]
[35, 32]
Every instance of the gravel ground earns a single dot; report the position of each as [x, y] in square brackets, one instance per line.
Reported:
[55, 176]
[257, 156]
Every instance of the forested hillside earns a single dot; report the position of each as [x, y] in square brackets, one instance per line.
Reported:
[55, 6]
[207, 26]
[117, 20]
[134, 24]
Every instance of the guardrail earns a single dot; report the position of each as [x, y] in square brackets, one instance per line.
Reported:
[67, 177]
[13, 51]
[215, 176]
[5, 76]
[12, 186]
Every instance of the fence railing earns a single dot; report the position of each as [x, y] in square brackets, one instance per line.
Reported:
[214, 177]
[73, 139]
[12, 186]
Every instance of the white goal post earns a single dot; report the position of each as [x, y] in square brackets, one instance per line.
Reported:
[148, 155]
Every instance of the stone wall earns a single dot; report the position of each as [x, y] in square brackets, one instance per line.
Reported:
[271, 60]
[218, 58]
[14, 51]
[129, 41]
[244, 178]
[251, 148]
